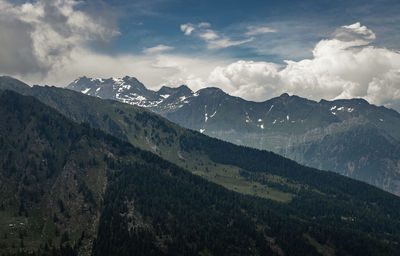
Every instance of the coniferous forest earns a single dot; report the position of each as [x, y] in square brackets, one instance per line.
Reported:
[80, 191]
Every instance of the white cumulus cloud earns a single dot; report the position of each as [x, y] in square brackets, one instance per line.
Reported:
[344, 66]
[355, 33]
[249, 79]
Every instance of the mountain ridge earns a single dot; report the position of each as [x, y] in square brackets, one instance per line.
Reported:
[162, 89]
[295, 127]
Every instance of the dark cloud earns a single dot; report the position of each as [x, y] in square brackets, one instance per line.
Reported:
[16, 50]
[38, 36]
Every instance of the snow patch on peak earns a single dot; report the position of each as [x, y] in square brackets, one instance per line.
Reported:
[333, 108]
[270, 108]
[85, 91]
[202, 130]
[165, 96]
[124, 87]
[141, 98]
[96, 79]
[183, 99]
[248, 120]
[287, 117]
[117, 80]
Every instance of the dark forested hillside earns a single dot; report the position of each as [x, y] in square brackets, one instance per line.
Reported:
[49, 191]
[78, 190]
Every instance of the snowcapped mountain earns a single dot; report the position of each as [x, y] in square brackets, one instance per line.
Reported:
[351, 137]
[128, 90]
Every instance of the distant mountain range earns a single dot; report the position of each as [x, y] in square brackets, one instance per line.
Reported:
[351, 137]
[139, 184]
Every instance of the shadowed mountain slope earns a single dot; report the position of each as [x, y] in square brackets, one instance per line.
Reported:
[351, 137]
[74, 190]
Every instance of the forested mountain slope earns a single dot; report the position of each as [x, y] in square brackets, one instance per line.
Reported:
[68, 189]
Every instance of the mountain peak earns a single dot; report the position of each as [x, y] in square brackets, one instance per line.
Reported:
[183, 86]
[182, 89]
[211, 90]
[130, 78]
[83, 80]
[80, 79]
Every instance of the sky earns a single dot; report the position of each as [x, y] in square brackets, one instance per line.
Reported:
[257, 50]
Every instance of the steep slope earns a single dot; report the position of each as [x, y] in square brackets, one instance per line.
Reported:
[317, 134]
[51, 180]
[145, 130]
[70, 185]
